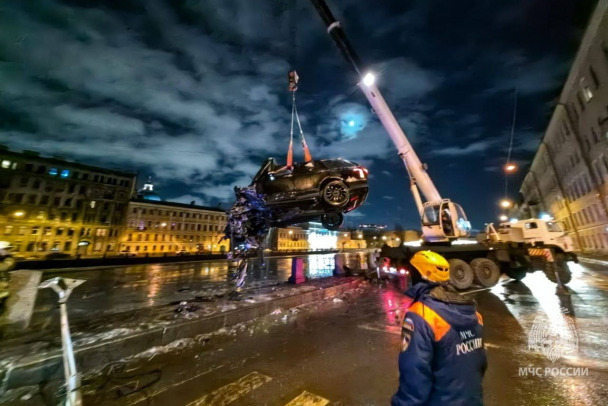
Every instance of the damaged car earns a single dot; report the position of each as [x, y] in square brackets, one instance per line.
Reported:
[321, 190]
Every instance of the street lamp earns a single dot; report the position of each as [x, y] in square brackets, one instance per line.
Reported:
[163, 224]
[505, 203]
[19, 213]
[384, 237]
[510, 168]
[290, 232]
[360, 236]
[504, 217]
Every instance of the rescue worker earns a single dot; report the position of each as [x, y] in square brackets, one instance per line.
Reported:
[442, 359]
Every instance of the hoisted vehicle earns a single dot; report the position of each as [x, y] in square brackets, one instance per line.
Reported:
[444, 221]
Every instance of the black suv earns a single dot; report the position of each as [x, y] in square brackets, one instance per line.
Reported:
[322, 189]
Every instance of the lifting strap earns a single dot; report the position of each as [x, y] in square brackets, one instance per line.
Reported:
[293, 87]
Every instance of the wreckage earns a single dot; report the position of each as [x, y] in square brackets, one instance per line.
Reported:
[319, 190]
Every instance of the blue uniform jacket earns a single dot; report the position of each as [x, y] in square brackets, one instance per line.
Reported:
[442, 359]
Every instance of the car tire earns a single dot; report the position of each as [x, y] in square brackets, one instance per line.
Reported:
[332, 221]
[335, 193]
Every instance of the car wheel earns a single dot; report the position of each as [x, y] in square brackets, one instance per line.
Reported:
[336, 193]
[332, 221]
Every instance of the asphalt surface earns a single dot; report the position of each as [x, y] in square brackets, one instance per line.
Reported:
[121, 289]
[344, 352]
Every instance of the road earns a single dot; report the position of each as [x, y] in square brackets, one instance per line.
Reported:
[343, 352]
[122, 289]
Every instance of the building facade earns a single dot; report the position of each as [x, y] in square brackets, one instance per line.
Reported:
[52, 205]
[568, 178]
[155, 227]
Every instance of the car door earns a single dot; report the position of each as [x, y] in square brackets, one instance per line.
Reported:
[305, 177]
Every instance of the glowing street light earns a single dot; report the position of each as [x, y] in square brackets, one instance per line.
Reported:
[360, 236]
[384, 237]
[19, 213]
[505, 203]
[163, 224]
[504, 217]
[290, 232]
[510, 168]
[397, 239]
[351, 123]
[369, 79]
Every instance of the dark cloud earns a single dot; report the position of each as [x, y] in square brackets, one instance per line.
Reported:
[194, 92]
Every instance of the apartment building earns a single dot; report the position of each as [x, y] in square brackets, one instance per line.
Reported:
[49, 204]
[568, 178]
[158, 227]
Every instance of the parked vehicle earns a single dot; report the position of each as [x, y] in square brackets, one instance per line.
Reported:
[58, 255]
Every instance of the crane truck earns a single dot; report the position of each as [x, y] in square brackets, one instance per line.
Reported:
[508, 248]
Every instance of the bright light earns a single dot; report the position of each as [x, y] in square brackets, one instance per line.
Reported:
[510, 168]
[463, 242]
[290, 232]
[345, 235]
[163, 224]
[369, 79]
[513, 220]
[351, 123]
[398, 239]
[503, 217]
[375, 238]
[360, 236]
[19, 213]
[402, 271]
[413, 243]
[505, 203]
[546, 217]
[322, 240]
[384, 237]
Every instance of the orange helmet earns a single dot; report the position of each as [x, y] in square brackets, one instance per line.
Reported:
[432, 266]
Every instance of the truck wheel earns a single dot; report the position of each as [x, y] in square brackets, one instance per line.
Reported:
[486, 272]
[565, 276]
[336, 193]
[7, 264]
[461, 274]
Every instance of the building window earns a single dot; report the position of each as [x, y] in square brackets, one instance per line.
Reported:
[48, 230]
[22, 230]
[92, 204]
[137, 248]
[101, 232]
[6, 164]
[35, 230]
[67, 246]
[65, 173]
[44, 200]
[8, 230]
[53, 171]
[130, 237]
[71, 232]
[59, 231]
[30, 247]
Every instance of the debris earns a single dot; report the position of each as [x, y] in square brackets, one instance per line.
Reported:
[337, 300]
[276, 312]
[185, 308]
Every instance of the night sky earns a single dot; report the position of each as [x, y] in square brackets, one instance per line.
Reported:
[194, 92]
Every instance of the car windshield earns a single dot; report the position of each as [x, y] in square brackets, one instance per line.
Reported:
[554, 227]
[337, 163]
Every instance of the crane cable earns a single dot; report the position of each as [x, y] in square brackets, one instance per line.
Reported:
[293, 87]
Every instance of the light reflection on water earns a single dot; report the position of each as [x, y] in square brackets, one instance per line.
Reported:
[127, 288]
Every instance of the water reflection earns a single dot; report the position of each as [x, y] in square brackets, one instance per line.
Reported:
[128, 288]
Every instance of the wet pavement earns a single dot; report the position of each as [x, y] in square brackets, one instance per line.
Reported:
[344, 351]
[122, 289]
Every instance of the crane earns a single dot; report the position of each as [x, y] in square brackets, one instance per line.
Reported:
[442, 220]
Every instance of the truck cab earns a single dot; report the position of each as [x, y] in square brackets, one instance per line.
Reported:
[533, 232]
